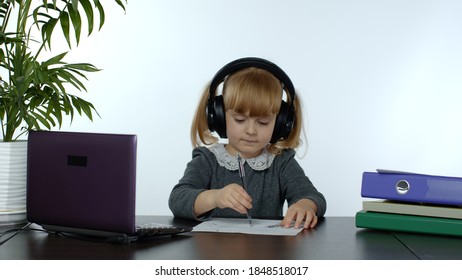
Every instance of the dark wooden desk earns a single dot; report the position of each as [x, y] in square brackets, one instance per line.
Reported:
[432, 247]
[335, 238]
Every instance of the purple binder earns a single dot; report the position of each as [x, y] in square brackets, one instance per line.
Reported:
[412, 187]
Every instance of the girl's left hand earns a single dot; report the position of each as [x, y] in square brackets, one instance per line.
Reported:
[302, 210]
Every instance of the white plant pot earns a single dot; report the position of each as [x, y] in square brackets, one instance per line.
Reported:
[13, 169]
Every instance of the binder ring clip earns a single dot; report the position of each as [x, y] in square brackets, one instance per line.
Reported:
[402, 187]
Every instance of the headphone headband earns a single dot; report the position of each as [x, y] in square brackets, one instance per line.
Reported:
[247, 62]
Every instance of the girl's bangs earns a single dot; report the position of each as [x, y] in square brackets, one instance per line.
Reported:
[257, 93]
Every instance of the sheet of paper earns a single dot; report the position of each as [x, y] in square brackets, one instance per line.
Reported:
[236, 225]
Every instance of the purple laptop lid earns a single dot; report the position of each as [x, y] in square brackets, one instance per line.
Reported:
[82, 180]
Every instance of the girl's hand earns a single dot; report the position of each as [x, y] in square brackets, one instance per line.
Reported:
[302, 210]
[233, 196]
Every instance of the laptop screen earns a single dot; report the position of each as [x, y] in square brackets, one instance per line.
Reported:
[82, 180]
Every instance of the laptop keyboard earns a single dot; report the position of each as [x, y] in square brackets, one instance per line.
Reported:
[153, 229]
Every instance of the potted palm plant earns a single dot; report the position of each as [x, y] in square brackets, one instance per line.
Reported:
[38, 89]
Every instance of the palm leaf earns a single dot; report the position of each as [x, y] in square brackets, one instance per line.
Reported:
[64, 20]
[86, 5]
[76, 21]
[37, 93]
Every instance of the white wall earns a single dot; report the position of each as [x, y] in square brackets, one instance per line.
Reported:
[381, 83]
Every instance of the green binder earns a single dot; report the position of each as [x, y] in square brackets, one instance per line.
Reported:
[408, 223]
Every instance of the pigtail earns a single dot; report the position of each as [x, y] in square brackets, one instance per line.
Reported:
[200, 132]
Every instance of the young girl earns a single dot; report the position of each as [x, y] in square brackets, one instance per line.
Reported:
[263, 130]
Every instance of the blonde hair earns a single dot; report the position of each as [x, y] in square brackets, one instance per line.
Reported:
[256, 92]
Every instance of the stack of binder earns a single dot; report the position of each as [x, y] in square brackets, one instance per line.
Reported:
[400, 201]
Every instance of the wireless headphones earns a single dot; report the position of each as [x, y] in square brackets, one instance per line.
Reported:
[215, 105]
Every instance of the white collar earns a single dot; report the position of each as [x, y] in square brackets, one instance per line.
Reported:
[258, 163]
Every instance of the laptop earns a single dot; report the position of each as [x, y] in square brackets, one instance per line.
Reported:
[85, 183]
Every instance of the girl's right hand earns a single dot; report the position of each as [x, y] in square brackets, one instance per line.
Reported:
[233, 196]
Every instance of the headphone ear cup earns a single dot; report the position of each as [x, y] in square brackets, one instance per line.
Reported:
[219, 121]
[284, 123]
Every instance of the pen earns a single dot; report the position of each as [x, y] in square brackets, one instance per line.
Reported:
[242, 175]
